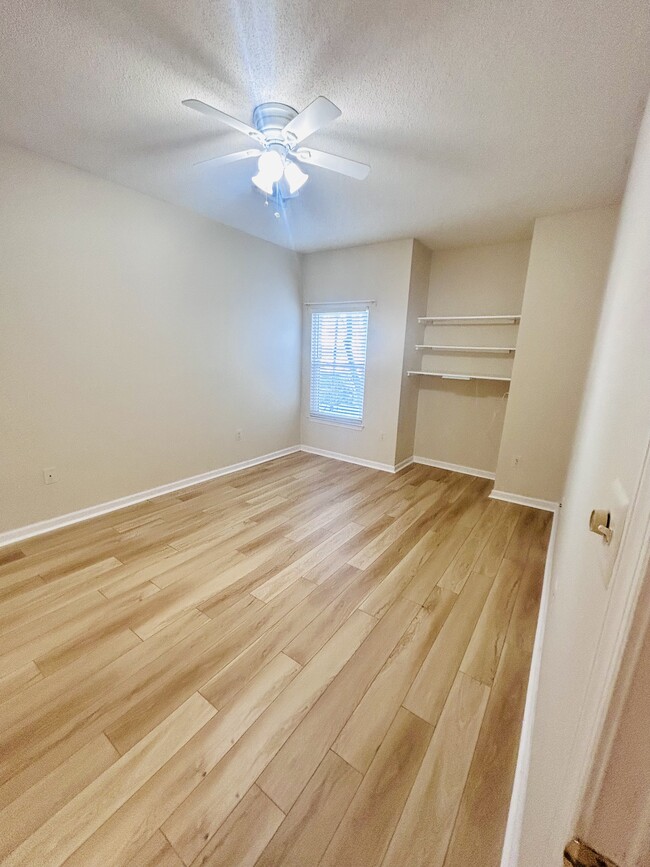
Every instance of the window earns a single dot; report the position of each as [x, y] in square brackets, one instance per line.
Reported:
[338, 365]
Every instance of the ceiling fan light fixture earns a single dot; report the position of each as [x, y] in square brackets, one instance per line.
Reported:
[271, 165]
[295, 177]
[278, 131]
[263, 183]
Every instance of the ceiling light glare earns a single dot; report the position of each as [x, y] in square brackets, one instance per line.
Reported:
[263, 183]
[294, 177]
[271, 165]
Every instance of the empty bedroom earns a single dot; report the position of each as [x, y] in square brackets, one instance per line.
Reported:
[324, 433]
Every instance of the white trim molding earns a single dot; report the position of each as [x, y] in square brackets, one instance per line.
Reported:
[519, 500]
[40, 527]
[454, 468]
[510, 853]
[349, 459]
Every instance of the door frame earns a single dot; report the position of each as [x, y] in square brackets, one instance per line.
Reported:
[632, 557]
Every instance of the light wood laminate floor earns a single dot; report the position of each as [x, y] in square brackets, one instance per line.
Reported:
[304, 663]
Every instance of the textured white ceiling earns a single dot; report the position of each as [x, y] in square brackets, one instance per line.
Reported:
[475, 115]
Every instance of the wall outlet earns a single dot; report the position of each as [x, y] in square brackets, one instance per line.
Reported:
[382, 436]
[516, 461]
[238, 435]
[50, 476]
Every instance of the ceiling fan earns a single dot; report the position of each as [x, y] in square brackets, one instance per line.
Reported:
[277, 134]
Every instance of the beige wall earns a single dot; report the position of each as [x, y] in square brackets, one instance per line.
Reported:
[379, 272]
[584, 625]
[135, 339]
[460, 422]
[567, 273]
[417, 306]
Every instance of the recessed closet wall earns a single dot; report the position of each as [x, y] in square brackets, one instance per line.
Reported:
[459, 422]
[567, 274]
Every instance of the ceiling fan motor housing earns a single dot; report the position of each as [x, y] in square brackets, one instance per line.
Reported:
[270, 118]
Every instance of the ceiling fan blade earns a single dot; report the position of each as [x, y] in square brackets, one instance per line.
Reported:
[231, 158]
[342, 165]
[204, 108]
[318, 113]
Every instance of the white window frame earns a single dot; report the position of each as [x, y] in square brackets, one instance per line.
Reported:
[323, 417]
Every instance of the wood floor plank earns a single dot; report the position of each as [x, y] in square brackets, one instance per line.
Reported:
[303, 529]
[18, 680]
[279, 582]
[288, 773]
[310, 640]
[19, 588]
[328, 567]
[213, 609]
[364, 732]
[34, 807]
[201, 815]
[475, 501]
[307, 830]
[367, 827]
[486, 797]
[484, 650]
[283, 519]
[460, 568]
[431, 686]
[162, 608]
[378, 602]
[144, 569]
[10, 555]
[104, 650]
[156, 852]
[245, 833]
[50, 721]
[54, 599]
[446, 545]
[185, 564]
[280, 640]
[67, 829]
[226, 682]
[130, 826]
[523, 622]
[397, 529]
[498, 541]
[170, 680]
[32, 640]
[280, 551]
[525, 532]
[423, 831]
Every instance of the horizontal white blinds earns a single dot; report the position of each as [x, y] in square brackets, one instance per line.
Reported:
[338, 364]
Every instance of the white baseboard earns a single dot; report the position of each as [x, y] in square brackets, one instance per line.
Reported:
[348, 459]
[546, 505]
[454, 468]
[40, 527]
[514, 826]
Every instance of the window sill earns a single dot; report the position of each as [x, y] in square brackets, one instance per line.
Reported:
[335, 423]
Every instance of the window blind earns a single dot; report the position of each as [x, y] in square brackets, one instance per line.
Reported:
[338, 364]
